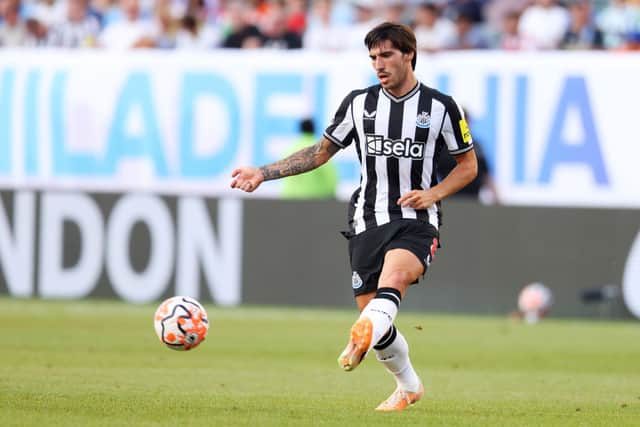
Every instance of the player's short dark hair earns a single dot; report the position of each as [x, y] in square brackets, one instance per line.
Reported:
[400, 36]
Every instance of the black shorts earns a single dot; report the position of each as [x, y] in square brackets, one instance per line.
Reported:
[367, 249]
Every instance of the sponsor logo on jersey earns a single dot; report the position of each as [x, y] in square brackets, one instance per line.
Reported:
[369, 115]
[378, 145]
[423, 120]
[464, 129]
[356, 281]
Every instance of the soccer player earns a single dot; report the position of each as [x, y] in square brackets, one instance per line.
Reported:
[397, 128]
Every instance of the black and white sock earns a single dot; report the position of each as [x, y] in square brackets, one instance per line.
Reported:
[382, 311]
[393, 352]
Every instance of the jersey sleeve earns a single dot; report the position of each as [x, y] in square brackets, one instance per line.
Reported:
[455, 129]
[342, 129]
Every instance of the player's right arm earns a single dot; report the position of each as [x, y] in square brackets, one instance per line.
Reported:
[249, 178]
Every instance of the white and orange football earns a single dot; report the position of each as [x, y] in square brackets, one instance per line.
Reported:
[181, 323]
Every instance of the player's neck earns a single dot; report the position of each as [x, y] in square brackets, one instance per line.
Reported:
[407, 86]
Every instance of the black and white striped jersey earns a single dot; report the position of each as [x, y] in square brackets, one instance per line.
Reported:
[397, 141]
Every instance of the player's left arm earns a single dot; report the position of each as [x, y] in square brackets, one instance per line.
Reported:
[462, 174]
[457, 137]
[249, 178]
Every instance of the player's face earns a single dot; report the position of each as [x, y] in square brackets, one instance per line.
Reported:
[391, 65]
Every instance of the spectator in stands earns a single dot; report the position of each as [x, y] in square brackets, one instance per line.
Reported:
[197, 24]
[79, 29]
[634, 19]
[613, 21]
[544, 24]
[468, 35]
[321, 33]
[275, 31]
[631, 33]
[192, 36]
[132, 31]
[433, 31]
[240, 31]
[495, 12]
[582, 32]
[165, 25]
[37, 33]
[631, 43]
[342, 12]
[365, 19]
[107, 11]
[48, 13]
[394, 11]
[13, 29]
[472, 9]
[296, 16]
[210, 12]
[510, 39]
[188, 35]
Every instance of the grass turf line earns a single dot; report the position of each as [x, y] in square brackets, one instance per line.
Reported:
[99, 363]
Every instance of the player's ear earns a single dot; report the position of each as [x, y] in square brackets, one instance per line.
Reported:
[411, 56]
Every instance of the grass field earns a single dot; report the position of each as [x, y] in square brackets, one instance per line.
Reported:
[99, 363]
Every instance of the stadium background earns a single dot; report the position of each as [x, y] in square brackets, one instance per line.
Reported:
[117, 140]
[115, 162]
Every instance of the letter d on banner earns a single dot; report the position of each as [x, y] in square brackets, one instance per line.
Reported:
[631, 279]
[56, 280]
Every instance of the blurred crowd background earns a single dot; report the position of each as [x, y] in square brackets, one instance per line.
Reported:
[329, 25]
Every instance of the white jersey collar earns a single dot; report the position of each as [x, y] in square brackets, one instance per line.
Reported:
[404, 97]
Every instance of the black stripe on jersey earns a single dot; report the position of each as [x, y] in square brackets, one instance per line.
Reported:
[422, 135]
[455, 116]
[370, 104]
[339, 118]
[340, 113]
[440, 145]
[393, 171]
[356, 138]
[356, 194]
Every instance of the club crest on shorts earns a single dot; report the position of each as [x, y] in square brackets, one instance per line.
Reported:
[423, 120]
[356, 281]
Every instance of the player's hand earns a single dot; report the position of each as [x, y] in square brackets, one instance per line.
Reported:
[246, 178]
[417, 199]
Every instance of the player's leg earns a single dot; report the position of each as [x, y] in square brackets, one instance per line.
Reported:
[366, 254]
[392, 350]
[359, 337]
[400, 269]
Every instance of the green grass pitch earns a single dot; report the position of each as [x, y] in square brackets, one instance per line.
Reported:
[86, 363]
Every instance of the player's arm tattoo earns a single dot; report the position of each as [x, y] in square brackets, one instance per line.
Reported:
[301, 161]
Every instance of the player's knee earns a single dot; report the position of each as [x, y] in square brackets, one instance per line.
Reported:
[398, 279]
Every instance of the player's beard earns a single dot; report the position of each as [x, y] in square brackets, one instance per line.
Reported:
[395, 81]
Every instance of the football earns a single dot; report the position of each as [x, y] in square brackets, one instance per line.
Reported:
[181, 323]
[534, 302]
